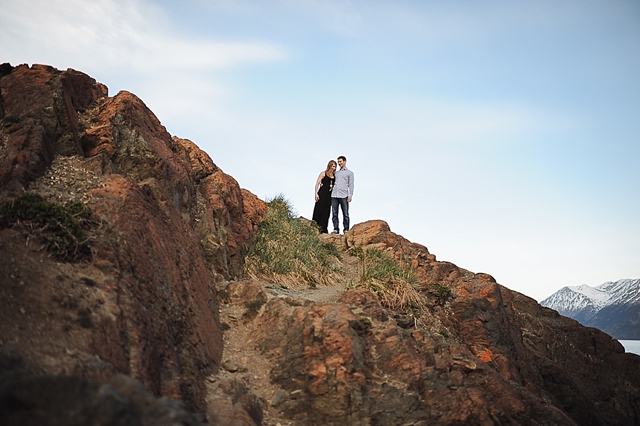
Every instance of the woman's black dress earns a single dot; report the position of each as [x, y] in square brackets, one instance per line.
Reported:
[322, 209]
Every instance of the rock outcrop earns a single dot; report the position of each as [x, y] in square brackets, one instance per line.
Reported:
[482, 355]
[169, 226]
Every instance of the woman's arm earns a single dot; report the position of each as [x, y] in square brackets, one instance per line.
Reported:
[318, 185]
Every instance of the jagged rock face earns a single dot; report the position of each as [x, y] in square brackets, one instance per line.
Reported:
[484, 355]
[577, 369]
[171, 225]
[340, 369]
[39, 107]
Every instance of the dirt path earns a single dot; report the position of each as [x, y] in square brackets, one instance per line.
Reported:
[245, 363]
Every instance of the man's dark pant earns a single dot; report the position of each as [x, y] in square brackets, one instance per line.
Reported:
[344, 205]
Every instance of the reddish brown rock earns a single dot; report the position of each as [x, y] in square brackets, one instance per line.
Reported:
[376, 234]
[171, 225]
[360, 369]
[244, 292]
[553, 357]
[513, 356]
[39, 111]
[321, 359]
[231, 404]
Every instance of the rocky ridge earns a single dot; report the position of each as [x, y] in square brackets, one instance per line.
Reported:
[486, 355]
[163, 300]
[170, 224]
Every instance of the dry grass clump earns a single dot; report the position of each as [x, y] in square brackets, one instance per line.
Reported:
[62, 227]
[394, 284]
[288, 251]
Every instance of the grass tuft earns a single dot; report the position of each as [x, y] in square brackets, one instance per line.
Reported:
[441, 292]
[394, 284]
[288, 251]
[61, 226]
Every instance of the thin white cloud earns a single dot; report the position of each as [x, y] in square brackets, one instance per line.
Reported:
[112, 34]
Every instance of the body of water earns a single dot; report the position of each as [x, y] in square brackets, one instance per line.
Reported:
[632, 346]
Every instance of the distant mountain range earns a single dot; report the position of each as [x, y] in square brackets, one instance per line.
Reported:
[613, 307]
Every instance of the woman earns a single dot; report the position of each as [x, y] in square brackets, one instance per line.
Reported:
[324, 185]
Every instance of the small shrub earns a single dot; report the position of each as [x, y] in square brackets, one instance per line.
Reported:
[442, 292]
[62, 227]
[357, 252]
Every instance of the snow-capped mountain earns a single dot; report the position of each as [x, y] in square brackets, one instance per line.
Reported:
[613, 307]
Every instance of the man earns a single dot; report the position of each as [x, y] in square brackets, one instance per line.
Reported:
[341, 195]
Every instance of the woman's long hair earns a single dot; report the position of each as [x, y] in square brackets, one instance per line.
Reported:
[326, 172]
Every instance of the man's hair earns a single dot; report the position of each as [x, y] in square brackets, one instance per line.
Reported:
[342, 157]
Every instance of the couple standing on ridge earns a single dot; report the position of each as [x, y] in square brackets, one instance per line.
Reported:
[333, 191]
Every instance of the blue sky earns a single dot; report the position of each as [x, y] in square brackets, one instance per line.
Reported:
[502, 135]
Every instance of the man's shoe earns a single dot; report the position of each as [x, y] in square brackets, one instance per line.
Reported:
[335, 231]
